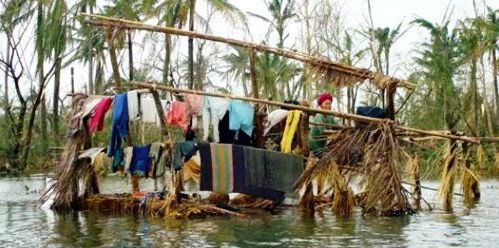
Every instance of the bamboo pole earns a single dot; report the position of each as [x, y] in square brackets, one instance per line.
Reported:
[362, 74]
[255, 94]
[308, 109]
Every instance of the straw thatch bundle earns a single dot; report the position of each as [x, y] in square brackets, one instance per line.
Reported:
[373, 154]
[448, 176]
[68, 172]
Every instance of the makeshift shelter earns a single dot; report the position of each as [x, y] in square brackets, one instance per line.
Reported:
[373, 154]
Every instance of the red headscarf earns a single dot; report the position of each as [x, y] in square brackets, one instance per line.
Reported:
[323, 97]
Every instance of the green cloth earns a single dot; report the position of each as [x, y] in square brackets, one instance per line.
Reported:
[315, 141]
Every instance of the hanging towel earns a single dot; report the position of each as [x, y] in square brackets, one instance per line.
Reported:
[213, 111]
[194, 105]
[271, 170]
[96, 120]
[241, 117]
[177, 115]
[289, 132]
[183, 152]
[133, 105]
[274, 118]
[216, 168]
[140, 161]
[120, 123]
[148, 111]
[223, 170]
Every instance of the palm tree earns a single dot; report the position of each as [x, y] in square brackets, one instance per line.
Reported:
[439, 60]
[471, 47]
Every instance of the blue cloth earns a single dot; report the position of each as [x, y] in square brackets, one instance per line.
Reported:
[241, 116]
[140, 161]
[371, 111]
[120, 123]
[118, 160]
[183, 152]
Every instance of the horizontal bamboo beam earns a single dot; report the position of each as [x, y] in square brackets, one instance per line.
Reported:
[363, 74]
[309, 110]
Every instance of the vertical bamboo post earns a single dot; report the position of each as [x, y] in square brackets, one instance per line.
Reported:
[417, 185]
[72, 81]
[390, 108]
[467, 163]
[254, 91]
[304, 132]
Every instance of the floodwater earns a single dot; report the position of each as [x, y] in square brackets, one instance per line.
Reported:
[25, 223]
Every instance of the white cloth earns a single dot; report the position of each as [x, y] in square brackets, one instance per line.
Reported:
[149, 113]
[91, 153]
[213, 111]
[133, 105]
[127, 153]
[274, 118]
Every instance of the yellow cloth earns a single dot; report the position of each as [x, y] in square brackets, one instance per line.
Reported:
[289, 132]
[191, 171]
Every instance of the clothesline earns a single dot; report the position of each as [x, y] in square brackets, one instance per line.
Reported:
[474, 140]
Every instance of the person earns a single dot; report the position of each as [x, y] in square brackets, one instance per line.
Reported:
[317, 140]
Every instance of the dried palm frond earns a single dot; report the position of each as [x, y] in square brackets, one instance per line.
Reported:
[470, 185]
[370, 153]
[412, 171]
[447, 179]
[326, 75]
[381, 162]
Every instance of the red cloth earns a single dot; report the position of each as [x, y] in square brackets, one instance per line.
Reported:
[177, 115]
[324, 97]
[96, 120]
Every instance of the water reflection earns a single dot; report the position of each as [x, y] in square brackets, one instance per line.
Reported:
[23, 223]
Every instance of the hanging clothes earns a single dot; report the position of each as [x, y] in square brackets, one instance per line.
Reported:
[274, 118]
[228, 136]
[177, 115]
[272, 170]
[182, 153]
[194, 105]
[217, 168]
[133, 105]
[140, 161]
[155, 155]
[289, 132]
[191, 171]
[128, 153]
[120, 123]
[213, 111]
[241, 117]
[96, 120]
[223, 170]
[148, 111]
[118, 161]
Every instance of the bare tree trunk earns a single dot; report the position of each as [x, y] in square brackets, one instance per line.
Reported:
[55, 107]
[6, 82]
[109, 34]
[192, 8]
[43, 120]
[166, 65]
[496, 90]
[474, 88]
[130, 56]
[90, 59]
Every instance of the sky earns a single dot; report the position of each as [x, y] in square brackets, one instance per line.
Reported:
[386, 13]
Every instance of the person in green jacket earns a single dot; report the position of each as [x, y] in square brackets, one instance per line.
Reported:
[317, 140]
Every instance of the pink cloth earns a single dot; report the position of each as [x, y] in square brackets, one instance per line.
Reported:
[96, 120]
[194, 105]
[177, 115]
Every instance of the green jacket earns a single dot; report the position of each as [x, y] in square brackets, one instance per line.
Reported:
[315, 141]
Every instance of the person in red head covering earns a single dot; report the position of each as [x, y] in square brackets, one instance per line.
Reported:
[316, 140]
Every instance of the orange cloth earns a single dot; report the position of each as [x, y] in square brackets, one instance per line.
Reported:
[191, 171]
[177, 115]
